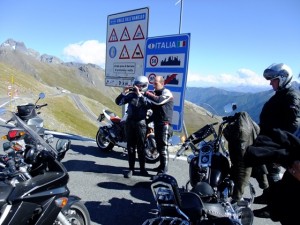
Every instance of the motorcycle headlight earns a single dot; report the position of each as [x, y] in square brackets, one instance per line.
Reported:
[206, 148]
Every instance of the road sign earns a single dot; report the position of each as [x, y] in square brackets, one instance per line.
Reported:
[125, 46]
[167, 56]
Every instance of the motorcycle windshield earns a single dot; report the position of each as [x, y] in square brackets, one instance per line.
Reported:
[33, 134]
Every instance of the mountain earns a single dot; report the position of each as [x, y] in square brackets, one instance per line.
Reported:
[214, 99]
[31, 73]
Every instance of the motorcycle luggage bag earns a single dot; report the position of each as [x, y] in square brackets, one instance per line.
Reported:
[27, 111]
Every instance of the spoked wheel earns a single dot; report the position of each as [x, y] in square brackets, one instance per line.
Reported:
[102, 142]
[78, 214]
[151, 153]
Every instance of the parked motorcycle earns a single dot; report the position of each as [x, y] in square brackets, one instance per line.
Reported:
[29, 113]
[33, 183]
[209, 172]
[112, 133]
[180, 207]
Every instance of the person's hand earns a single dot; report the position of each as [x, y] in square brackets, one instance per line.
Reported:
[137, 90]
[126, 89]
[150, 92]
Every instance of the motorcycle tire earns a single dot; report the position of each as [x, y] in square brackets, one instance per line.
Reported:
[78, 214]
[151, 153]
[102, 142]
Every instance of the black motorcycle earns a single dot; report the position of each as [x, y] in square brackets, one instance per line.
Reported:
[209, 173]
[112, 133]
[180, 207]
[33, 183]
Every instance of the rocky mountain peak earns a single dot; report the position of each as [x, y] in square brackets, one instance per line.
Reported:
[50, 59]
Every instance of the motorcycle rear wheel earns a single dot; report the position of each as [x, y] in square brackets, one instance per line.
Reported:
[102, 142]
[151, 153]
[78, 214]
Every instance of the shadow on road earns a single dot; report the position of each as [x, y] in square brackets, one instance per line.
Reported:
[126, 212]
[116, 153]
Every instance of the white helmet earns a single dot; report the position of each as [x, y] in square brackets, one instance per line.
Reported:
[280, 71]
[142, 83]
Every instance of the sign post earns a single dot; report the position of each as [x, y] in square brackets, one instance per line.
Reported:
[125, 44]
[168, 56]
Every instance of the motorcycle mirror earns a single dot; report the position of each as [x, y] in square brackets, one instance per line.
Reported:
[63, 145]
[230, 107]
[42, 95]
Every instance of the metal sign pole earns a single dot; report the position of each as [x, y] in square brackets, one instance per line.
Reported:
[180, 22]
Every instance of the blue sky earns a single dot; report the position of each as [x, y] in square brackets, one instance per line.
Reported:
[232, 41]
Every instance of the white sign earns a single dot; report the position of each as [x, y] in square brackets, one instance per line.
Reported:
[125, 46]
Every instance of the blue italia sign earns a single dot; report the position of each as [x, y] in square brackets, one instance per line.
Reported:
[168, 56]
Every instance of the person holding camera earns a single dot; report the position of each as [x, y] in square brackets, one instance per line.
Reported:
[135, 125]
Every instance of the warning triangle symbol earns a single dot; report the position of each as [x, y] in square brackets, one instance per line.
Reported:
[125, 35]
[138, 34]
[137, 54]
[113, 36]
[124, 53]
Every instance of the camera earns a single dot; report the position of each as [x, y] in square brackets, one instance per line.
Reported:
[131, 89]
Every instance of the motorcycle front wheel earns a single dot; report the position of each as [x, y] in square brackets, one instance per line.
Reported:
[102, 142]
[151, 153]
[77, 214]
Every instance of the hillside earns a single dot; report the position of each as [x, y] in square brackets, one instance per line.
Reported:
[30, 73]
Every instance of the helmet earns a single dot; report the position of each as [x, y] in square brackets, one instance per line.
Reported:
[142, 83]
[280, 71]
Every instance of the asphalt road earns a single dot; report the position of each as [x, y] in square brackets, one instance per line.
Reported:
[97, 177]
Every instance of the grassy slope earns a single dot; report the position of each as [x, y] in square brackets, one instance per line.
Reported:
[62, 114]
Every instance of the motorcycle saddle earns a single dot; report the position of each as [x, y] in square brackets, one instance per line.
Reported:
[204, 191]
[115, 119]
[191, 205]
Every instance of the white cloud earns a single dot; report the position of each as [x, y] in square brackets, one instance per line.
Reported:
[242, 77]
[90, 51]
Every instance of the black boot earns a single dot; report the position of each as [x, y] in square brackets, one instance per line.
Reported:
[142, 161]
[262, 199]
[262, 213]
[129, 174]
[164, 161]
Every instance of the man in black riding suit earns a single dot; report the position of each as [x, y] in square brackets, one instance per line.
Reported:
[281, 111]
[162, 107]
[135, 125]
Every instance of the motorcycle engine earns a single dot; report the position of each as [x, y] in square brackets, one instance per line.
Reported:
[117, 132]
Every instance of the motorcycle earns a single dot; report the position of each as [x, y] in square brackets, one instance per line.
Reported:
[209, 172]
[33, 183]
[112, 133]
[29, 113]
[180, 207]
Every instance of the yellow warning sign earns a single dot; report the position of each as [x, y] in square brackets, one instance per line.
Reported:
[137, 54]
[138, 35]
[124, 53]
[113, 36]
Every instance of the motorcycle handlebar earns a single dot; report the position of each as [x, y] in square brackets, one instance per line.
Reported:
[228, 119]
[184, 147]
[40, 106]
